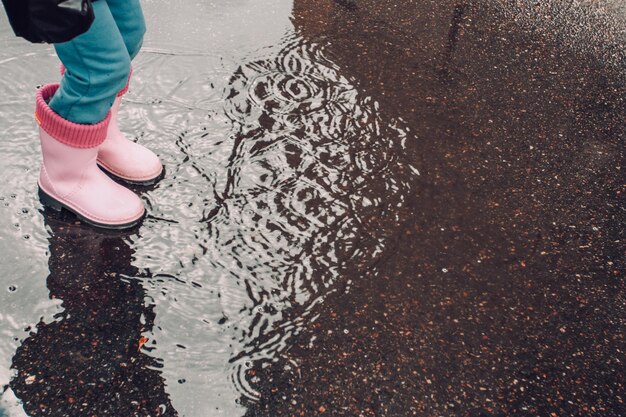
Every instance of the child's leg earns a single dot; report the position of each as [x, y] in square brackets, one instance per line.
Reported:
[97, 66]
[130, 22]
[121, 157]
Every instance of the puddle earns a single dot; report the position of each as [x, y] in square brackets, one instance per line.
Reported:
[275, 168]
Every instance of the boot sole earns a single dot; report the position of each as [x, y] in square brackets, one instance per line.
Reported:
[118, 177]
[49, 201]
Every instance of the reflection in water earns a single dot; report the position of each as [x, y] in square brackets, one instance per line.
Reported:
[315, 186]
[89, 361]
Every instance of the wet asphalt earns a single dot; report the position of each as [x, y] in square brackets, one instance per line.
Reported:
[503, 293]
[499, 289]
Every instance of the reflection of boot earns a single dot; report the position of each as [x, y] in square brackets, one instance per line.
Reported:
[89, 360]
[70, 177]
[127, 160]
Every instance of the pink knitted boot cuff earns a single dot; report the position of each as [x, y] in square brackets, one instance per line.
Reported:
[69, 133]
[121, 92]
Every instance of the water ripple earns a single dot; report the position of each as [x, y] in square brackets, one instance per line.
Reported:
[303, 193]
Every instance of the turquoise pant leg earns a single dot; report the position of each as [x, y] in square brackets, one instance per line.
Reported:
[98, 62]
[131, 23]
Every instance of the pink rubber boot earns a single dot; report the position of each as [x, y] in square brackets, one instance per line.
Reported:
[124, 158]
[70, 177]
